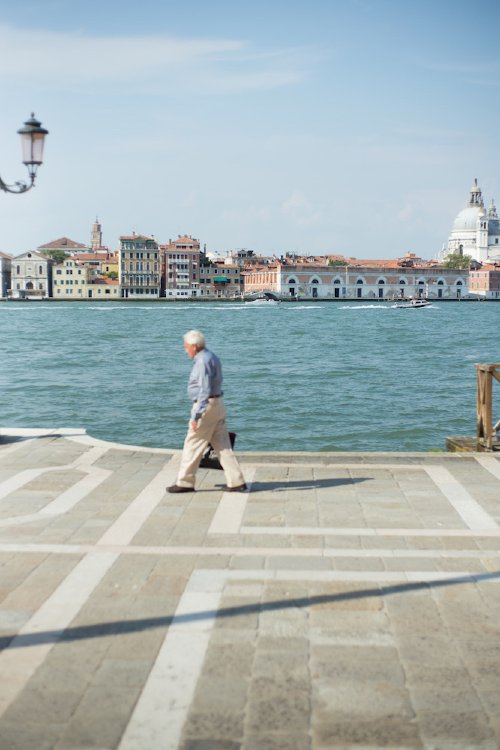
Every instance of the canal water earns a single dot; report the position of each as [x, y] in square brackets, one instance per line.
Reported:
[297, 376]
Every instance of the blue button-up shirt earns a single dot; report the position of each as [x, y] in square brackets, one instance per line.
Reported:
[205, 380]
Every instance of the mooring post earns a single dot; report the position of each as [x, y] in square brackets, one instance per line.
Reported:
[485, 374]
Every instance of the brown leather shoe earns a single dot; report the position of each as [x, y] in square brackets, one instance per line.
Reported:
[178, 488]
[239, 488]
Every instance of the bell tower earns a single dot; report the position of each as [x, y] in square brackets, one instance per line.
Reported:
[96, 236]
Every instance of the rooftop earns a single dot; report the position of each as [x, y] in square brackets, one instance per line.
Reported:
[63, 243]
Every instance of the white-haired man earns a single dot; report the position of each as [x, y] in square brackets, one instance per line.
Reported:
[207, 423]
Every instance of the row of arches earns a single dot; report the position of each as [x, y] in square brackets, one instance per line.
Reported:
[421, 284]
[381, 281]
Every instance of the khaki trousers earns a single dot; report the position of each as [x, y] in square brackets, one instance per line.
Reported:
[211, 429]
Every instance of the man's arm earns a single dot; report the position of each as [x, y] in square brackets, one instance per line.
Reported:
[203, 386]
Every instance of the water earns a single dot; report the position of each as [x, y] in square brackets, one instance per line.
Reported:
[315, 377]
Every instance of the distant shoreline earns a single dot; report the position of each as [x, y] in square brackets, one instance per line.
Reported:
[192, 300]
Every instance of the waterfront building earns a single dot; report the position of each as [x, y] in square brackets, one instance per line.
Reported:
[70, 247]
[404, 278]
[221, 279]
[31, 276]
[181, 264]
[5, 273]
[75, 280]
[485, 281]
[265, 277]
[70, 280]
[476, 230]
[351, 278]
[139, 267]
[102, 287]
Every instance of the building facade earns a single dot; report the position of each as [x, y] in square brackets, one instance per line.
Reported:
[139, 267]
[485, 281]
[476, 230]
[181, 263]
[70, 280]
[366, 280]
[221, 279]
[104, 288]
[31, 276]
[5, 274]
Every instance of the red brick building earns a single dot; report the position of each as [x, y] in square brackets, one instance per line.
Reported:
[484, 282]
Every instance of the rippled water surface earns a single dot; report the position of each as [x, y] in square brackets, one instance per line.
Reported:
[324, 376]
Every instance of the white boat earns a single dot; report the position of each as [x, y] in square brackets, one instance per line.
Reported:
[414, 303]
[264, 299]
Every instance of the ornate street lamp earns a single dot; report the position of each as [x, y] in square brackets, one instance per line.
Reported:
[32, 141]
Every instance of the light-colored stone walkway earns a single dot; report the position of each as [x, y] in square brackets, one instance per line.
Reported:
[348, 600]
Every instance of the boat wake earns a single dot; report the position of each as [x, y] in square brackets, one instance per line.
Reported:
[364, 307]
[305, 307]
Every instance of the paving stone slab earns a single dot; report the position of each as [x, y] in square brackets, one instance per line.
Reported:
[347, 600]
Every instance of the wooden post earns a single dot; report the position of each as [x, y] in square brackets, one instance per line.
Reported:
[485, 375]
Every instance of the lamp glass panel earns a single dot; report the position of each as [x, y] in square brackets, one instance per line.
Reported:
[32, 147]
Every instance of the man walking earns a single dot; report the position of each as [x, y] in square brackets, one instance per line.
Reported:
[207, 423]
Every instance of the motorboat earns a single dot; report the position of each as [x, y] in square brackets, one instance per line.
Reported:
[263, 299]
[414, 303]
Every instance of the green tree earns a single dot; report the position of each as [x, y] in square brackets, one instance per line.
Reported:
[337, 262]
[457, 261]
[57, 255]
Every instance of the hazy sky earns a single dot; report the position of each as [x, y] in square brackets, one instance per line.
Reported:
[315, 126]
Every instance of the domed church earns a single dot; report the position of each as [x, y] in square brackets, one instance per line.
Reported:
[476, 231]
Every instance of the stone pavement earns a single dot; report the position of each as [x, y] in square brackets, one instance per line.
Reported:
[349, 600]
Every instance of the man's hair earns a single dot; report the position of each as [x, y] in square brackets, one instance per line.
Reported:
[195, 338]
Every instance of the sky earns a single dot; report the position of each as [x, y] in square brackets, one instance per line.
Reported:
[352, 127]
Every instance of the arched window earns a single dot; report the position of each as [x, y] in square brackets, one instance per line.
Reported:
[314, 284]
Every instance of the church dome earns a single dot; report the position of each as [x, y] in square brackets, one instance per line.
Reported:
[467, 219]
